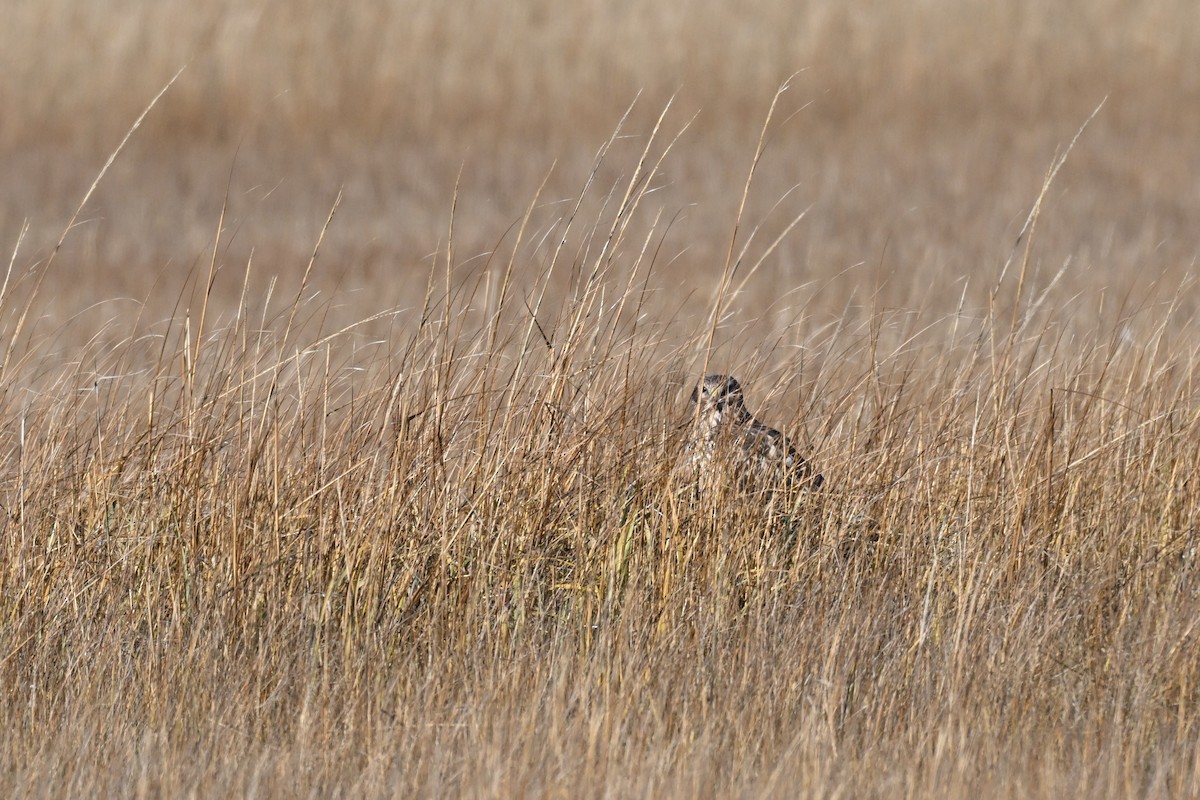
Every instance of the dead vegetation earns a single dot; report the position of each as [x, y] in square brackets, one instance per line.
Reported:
[267, 535]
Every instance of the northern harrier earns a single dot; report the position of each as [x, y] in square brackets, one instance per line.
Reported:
[724, 426]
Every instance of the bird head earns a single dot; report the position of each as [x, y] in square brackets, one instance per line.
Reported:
[718, 392]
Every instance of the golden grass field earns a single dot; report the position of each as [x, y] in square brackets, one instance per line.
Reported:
[384, 503]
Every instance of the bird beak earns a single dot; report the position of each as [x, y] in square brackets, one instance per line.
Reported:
[696, 395]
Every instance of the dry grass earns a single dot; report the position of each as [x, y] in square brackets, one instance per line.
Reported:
[401, 519]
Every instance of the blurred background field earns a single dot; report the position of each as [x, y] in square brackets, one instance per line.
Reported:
[248, 555]
[918, 132]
